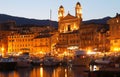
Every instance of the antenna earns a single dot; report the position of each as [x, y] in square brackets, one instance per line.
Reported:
[50, 30]
[50, 14]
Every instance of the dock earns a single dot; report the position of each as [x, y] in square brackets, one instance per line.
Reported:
[105, 72]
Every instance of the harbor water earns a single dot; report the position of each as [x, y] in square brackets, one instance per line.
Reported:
[46, 72]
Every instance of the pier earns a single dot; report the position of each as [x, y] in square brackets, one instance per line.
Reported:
[105, 72]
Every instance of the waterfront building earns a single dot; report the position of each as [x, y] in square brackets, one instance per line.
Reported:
[42, 43]
[72, 34]
[6, 28]
[114, 24]
[75, 34]
[68, 28]
[20, 42]
[92, 37]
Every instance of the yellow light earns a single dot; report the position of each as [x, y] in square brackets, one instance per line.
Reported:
[72, 47]
[2, 49]
[116, 49]
[3, 53]
[41, 52]
[56, 52]
[89, 52]
[19, 53]
[41, 72]
[65, 53]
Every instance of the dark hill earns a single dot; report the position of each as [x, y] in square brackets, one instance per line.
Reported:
[98, 21]
[23, 21]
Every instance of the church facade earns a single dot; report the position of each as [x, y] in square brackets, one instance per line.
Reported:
[68, 29]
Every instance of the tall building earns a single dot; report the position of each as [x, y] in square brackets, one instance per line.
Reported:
[115, 33]
[69, 23]
[6, 28]
[92, 37]
[68, 28]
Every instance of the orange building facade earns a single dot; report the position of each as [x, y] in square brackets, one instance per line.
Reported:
[20, 42]
[115, 33]
[72, 34]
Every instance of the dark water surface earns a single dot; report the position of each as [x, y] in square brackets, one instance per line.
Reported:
[46, 72]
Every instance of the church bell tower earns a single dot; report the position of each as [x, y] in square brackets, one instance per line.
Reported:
[61, 12]
[78, 10]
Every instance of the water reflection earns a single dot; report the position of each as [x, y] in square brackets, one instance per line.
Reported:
[46, 72]
[41, 72]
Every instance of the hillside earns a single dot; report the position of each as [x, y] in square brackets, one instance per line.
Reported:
[98, 21]
[23, 21]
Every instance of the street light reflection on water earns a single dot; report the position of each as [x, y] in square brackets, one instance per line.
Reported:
[45, 72]
[41, 72]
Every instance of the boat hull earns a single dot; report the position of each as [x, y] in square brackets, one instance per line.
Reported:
[81, 61]
[23, 64]
[8, 65]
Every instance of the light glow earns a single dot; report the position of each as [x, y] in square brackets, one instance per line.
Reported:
[72, 47]
[41, 72]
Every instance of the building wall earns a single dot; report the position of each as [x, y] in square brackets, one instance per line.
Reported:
[91, 37]
[115, 33]
[41, 44]
[69, 25]
[68, 40]
[88, 39]
[20, 43]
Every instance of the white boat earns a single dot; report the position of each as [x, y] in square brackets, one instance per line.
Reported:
[102, 61]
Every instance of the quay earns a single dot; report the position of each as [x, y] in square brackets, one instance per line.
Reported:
[105, 72]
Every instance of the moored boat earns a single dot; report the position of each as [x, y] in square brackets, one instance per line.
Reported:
[36, 61]
[81, 59]
[7, 64]
[23, 61]
[50, 61]
[102, 61]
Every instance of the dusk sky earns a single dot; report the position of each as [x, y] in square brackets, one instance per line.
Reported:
[40, 9]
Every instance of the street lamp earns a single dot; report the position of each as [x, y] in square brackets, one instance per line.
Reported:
[3, 53]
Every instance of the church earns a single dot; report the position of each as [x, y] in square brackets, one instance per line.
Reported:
[68, 29]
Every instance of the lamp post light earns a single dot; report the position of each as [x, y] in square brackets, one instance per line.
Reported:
[3, 53]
